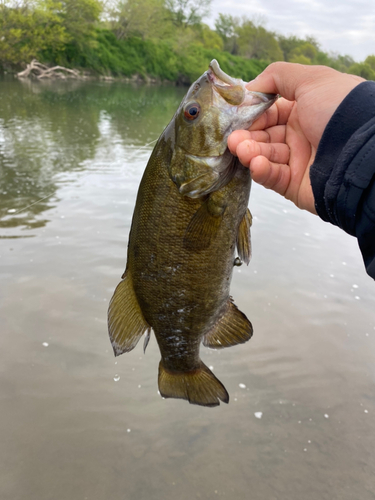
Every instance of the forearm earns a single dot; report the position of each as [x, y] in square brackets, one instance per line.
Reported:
[343, 173]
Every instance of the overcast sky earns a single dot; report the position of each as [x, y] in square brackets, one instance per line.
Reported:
[344, 27]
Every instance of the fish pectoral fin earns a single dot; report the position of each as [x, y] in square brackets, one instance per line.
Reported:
[211, 178]
[232, 328]
[205, 223]
[244, 237]
[126, 323]
[199, 386]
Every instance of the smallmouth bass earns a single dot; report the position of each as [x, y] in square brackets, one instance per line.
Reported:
[190, 217]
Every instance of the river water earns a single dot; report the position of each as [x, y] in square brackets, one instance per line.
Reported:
[78, 424]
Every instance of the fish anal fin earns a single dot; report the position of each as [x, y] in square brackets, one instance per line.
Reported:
[232, 328]
[126, 323]
[199, 386]
[244, 237]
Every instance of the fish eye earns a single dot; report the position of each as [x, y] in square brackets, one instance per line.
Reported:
[192, 111]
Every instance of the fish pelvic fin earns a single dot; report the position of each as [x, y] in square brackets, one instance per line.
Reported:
[244, 237]
[205, 223]
[201, 230]
[232, 328]
[199, 386]
[126, 323]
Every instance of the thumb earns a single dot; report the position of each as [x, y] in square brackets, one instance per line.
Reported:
[280, 78]
[291, 80]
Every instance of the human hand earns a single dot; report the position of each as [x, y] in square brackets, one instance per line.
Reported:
[281, 145]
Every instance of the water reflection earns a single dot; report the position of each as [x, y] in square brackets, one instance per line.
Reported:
[52, 128]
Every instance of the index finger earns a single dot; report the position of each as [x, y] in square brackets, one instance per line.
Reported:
[277, 114]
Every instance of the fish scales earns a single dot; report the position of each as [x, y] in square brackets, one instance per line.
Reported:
[181, 291]
[190, 215]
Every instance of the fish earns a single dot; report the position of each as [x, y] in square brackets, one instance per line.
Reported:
[191, 216]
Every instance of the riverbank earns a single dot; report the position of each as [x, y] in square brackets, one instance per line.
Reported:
[169, 44]
[41, 72]
[138, 60]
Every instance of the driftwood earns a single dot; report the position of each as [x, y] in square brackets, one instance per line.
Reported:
[38, 70]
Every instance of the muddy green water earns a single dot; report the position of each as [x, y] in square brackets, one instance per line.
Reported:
[76, 424]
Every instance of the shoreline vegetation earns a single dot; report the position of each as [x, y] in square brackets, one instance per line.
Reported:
[153, 41]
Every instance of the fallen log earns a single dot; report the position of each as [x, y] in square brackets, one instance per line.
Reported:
[38, 70]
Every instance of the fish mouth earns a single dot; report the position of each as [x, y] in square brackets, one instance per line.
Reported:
[233, 90]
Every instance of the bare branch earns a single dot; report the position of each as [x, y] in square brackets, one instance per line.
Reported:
[38, 70]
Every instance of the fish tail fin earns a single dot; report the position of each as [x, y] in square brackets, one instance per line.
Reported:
[199, 386]
[126, 323]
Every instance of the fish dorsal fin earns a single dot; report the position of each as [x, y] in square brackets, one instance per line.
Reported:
[232, 328]
[244, 238]
[126, 323]
[199, 386]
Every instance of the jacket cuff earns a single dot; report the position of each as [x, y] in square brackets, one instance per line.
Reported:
[343, 173]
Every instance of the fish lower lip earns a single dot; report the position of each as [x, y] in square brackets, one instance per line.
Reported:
[216, 71]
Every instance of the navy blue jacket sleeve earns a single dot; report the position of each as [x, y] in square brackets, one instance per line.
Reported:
[343, 173]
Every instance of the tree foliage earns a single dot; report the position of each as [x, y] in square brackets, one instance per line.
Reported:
[186, 13]
[226, 27]
[166, 39]
[292, 46]
[254, 41]
[144, 18]
[370, 60]
[79, 19]
[26, 30]
[45, 27]
[362, 69]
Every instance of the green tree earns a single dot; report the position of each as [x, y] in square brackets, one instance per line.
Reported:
[362, 69]
[370, 60]
[255, 42]
[27, 29]
[293, 46]
[322, 58]
[78, 18]
[209, 38]
[186, 13]
[305, 53]
[341, 63]
[226, 27]
[300, 59]
[144, 18]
